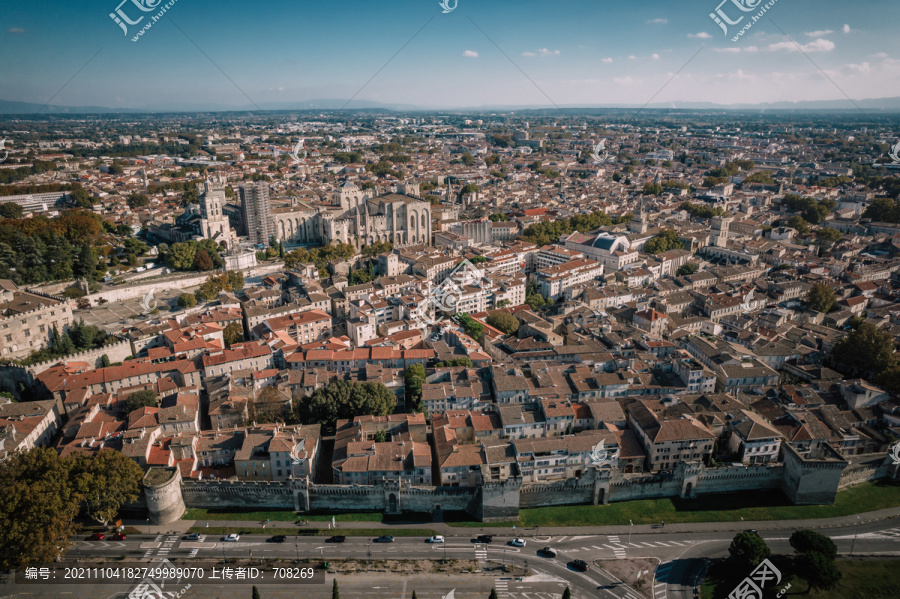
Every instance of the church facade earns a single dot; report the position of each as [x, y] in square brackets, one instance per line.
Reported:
[356, 218]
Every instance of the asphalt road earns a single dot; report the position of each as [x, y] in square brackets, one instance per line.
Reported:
[680, 556]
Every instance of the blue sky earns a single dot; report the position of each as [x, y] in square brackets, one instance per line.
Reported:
[577, 52]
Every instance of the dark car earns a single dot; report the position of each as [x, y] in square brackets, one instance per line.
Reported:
[278, 539]
[336, 539]
[752, 531]
[97, 536]
[120, 537]
[580, 565]
[385, 539]
[548, 552]
[484, 539]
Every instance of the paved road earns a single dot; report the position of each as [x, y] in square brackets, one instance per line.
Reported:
[680, 555]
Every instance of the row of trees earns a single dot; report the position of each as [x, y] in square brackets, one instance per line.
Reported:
[546, 233]
[79, 337]
[41, 494]
[320, 257]
[341, 400]
[813, 561]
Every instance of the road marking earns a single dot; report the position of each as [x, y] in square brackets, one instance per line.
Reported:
[677, 543]
[662, 544]
[648, 544]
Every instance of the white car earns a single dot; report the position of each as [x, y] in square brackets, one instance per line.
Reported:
[436, 539]
[517, 542]
[232, 538]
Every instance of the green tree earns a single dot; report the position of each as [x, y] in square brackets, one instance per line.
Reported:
[749, 549]
[504, 321]
[86, 265]
[335, 593]
[256, 594]
[652, 189]
[233, 333]
[137, 200]
[499, 217]
[865, 350]
[828, 235]
[472, 327]
[567, 594]
[821, 298]
[140, 399]
[181, 256]
[798, 223]
[104, 361]
[135, 246]
[381, 437]
[686, 269]
[11, 210]
[105, 482]
[187, 300]
[665, 241]
[345, 400]
[805, 541]
[818, 571]
[464, 361]
[413, 379]
[889, 379]
[38, 506]
[235, 280]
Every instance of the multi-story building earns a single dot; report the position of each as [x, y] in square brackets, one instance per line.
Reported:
[554, 280]
[668, 442]
[28, 320]
[257, 217]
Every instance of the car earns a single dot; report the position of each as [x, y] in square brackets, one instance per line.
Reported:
[232, 538]
[278, 539]
[752, 531]
[436, 539]
[336, 539]
[580, 565]
[191, 537]
[119, 536]
[548, 552]
[484, 539]
[517, 542]
[384, 539]
[97, 536]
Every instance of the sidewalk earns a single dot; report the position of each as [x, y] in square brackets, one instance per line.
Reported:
[447, 530]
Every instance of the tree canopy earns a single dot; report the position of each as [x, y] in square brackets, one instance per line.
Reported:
[140, 399]
[504, 321]
[344, 400]
[865, 351]
[821, 298]
[749, 549]
[665, 241]
[413, 379]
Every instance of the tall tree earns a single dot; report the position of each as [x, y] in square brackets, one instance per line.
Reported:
[749, 549]
[865, 350]
[335, 592]
[256, 594]
[818, 571]
[233, 333]
[413, 379]
[37, 508]
[821, 298]
[106, 482]
[805, 541]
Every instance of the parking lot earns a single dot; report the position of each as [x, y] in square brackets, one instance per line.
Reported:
[116, 316]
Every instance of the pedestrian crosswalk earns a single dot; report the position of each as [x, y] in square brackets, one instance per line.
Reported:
[619, 550]
[615, 544]
[501, 585]
[150, 551]
[661, 579]
[481, 552]
[167, 546]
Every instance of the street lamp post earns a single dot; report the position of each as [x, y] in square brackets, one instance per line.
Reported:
[855, 533]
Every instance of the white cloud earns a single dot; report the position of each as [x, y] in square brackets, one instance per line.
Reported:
[819, 45]
[655, 57]
[546, 52]
[15, 30]
[880, 55]
[470, 54]
[733, 50]
[819, 33]
[608, 60]
[657, 21]
[632, 57]
[700, 36]
[624, 80]
[528, 54]
[865, 67]
[846, 28]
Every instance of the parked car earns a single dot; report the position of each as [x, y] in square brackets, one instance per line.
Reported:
[548, 552]
[191, 537]
[752, 531]
[436, 539]
[119, 536]
[97, 536]
[232, 538]
[484, 539]
[580, 565]
[278, 539]
[384, 539]
[336, 539]
[517, 542]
